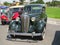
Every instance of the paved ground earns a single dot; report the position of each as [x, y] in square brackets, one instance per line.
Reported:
[52, 37]
[53, 21]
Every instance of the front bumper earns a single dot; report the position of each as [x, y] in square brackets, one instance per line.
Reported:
[5, 21]
[25, 34]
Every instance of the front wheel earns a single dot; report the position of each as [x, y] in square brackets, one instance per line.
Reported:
[3, 22]
[9, 37]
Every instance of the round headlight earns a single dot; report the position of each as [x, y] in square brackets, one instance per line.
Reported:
[33, 19]
[17, 19]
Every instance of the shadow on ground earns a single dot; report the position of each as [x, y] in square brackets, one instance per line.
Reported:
[56, 40]
[25, 39]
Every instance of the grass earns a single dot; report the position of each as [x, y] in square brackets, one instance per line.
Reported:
[53, 12]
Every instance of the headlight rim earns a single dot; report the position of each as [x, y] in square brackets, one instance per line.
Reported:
[33, 18]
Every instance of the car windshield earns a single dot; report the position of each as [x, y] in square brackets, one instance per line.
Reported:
[33, 9]
[12, 10]
[4, 11]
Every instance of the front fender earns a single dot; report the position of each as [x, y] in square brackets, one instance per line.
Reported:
[40, 26]
[15, 26]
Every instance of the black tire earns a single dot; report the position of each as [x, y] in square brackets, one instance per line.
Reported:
[9, 37]
[3, 23]
[41, 37]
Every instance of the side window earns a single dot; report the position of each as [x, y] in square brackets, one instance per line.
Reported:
[43, 13]
[20, 11]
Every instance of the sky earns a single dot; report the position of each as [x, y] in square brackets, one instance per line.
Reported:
[18, 0]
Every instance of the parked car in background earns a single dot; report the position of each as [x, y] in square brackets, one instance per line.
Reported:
[12, 13]
[15, 11]
[4, 19]
[32, 22]
[3, 14]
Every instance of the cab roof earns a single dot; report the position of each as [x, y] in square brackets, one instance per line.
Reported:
[17, 6]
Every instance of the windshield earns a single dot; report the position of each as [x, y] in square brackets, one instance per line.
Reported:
[33, 9]
[12, 10]
[4, 11]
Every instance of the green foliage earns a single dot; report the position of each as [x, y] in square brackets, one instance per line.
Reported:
[38, 2]
[49, 3]
[22, 1]
[53, 12]
[54, 3]
[6, 3]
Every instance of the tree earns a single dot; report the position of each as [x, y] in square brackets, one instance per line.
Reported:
[55, 3]
[31, 0]
[6, 3]
[22, 1]
[39, 2]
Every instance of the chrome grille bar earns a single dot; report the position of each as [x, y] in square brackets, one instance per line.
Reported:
[25, 23]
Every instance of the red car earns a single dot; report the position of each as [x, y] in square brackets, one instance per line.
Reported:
[4, 19]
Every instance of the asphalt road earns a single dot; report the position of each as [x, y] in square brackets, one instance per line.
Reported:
[52, 37]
